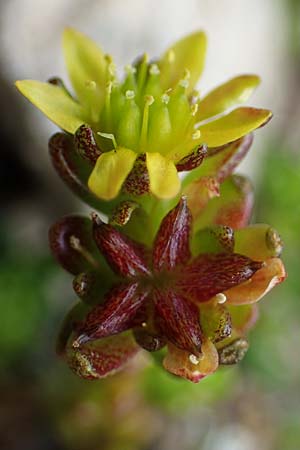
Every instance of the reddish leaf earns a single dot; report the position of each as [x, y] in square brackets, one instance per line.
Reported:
[103, 357]
[72, 244]
[123, 255]
[123, 212]
[192, 160]
[215, 321]
[114, 316]
[233, 352]
[70, 166]
[178, 320]
[210, 274]
[171, 246]
[214, 239]
[149, 340]
[137, 182]
[86, 145]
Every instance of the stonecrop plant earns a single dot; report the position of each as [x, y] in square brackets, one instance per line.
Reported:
[167, 264]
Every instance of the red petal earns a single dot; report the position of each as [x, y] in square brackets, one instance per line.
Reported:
[260, 284]
[171, 245]
[101, 358]
[180, 363]
[192, 160]
[179, 320]
[114, 316]
[210, 274]
[72, 244]
[86, 145]
[123, 255]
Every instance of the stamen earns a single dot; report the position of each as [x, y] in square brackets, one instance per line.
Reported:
[221, 298]
[111, 68]
[184, 83]
[129, 94]
[196, 135]
[109, 136]
[76, 245]
[154, 69]
[144, 324]
[129, 69]
[194, 109]
[165, 98]
[194, 359]
[149, 100]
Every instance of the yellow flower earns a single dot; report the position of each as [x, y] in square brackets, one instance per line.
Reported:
[154, 112]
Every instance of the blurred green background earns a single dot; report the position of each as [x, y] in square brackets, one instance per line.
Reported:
[255, 405]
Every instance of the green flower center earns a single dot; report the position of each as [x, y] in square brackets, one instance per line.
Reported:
[139, 115]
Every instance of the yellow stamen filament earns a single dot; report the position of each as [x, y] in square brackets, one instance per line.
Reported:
[149, 100]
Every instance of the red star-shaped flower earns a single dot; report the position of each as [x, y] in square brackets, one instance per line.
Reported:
[160, 296]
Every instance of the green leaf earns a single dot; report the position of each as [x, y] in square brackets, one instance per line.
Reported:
[234, 125]
[110, 172]
[85, 63]
[236, 90]
[187, 53]
[54, 102]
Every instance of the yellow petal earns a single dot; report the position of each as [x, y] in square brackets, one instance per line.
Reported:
[236, 90]
[85, 63]
[163, 176]
[234, 125]
[110, 172]
[54, 102]
[259, 285]
[187, 53]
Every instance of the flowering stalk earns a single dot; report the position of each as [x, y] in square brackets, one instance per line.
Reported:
[176, 269]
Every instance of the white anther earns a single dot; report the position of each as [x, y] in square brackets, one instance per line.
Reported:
[184, 83]
[149, 100]
[221, 298]
[130, 69]
[112, 69]
[129, 95]
[194, 359]
[154, 70]
[109, 87]
[144, 324]
[165, 98]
